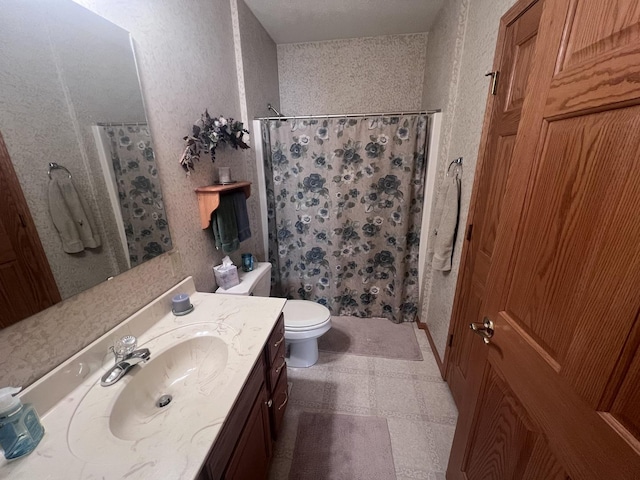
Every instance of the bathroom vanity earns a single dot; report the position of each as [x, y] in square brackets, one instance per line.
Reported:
[243, 448]
[207, 405]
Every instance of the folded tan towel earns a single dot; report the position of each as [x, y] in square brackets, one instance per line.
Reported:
[447, 226]
[71, 216]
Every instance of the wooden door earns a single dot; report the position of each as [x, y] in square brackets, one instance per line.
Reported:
[514, 51]
[560, 394]
[27, 285]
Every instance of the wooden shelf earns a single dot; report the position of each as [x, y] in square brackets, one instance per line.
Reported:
[209, 198]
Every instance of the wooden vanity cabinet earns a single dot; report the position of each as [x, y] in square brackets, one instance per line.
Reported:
[252, 454]
[277, 376]
[280, 398]
[243, 448]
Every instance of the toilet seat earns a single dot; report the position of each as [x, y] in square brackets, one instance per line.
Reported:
[311, 334]
[303, 315]
[306, 329]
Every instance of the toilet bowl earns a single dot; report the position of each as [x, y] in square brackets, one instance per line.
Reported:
[304, 321]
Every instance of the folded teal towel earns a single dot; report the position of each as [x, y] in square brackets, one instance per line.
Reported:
[225, 228]
[242, 217]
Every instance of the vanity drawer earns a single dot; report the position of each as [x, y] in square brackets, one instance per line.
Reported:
[276, 340]
[277, 367]
[280, 399]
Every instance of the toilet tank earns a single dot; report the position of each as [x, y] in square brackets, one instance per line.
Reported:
[256, 282]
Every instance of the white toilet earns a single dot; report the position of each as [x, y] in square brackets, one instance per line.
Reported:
[304, 320]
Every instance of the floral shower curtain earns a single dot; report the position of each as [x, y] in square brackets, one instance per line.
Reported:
[141, 204]
[344, 209]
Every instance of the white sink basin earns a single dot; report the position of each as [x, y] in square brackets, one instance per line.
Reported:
[186, 365]
[178, 375]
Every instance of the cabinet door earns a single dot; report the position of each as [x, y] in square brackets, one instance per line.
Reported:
[250, 459]
[279, 404]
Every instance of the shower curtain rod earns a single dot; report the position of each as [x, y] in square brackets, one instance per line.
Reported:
[117, 124]
[349, 115]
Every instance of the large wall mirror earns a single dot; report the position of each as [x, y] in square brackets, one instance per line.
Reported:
[81, 198]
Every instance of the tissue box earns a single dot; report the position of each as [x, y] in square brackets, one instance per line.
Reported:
[226, 276]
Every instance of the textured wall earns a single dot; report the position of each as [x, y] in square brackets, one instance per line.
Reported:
[460, 51]
[185, 52]
[257, 65]
[375, 74]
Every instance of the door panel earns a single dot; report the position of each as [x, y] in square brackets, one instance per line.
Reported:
[491, 214]
[625, 410]
[522, 66]
[566, 275]
[550, 246]
[504, 435]
[543, 464]
[579, 437]
[600, 27]
[562, 288]
[7, 255]
[525, 32]
[509, 445]
[516, 43]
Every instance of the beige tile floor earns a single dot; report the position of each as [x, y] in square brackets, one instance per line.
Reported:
[411, 395]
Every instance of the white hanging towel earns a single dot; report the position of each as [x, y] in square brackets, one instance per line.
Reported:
[447, 226]
[71, 216]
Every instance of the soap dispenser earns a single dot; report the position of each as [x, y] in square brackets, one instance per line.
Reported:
[20, 427]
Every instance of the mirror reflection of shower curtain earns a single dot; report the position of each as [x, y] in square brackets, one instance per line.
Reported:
[131, 156]
[344, 200]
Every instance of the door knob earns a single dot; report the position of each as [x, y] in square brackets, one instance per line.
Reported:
[485, 329]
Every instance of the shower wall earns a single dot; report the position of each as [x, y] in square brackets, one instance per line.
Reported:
[355, 75]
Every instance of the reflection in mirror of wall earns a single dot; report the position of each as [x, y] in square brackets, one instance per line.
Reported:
[70, 95]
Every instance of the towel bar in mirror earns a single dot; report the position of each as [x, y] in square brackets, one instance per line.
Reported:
[209, 198]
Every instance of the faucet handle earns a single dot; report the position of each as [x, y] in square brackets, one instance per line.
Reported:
[126, 345]
[123, 347]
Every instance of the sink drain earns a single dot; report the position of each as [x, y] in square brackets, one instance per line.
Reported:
[163, 401]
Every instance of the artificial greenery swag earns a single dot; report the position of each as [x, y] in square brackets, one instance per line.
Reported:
[207, 134]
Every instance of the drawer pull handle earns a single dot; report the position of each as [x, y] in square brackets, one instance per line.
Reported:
[277, 344]
[269, 403]
[284, 362]
[286, 399]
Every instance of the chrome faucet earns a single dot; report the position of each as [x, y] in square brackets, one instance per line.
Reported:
[126, 357]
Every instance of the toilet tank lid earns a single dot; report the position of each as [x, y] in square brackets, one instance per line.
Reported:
[248, 280]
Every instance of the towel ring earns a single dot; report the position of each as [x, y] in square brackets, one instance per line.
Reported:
[457, 167]
[55, 166]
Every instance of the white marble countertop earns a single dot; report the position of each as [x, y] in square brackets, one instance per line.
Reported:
[176, 443]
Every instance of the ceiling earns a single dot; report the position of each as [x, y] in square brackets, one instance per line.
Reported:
[293, 21]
